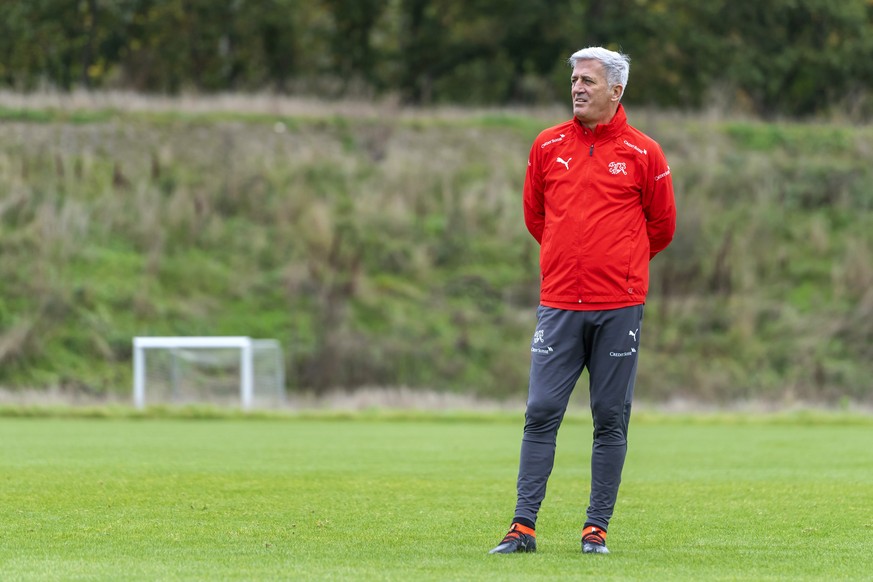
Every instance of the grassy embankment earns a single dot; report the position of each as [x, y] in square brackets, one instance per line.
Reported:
[389, 250]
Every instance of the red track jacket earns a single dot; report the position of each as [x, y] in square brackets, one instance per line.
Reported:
[601, 206]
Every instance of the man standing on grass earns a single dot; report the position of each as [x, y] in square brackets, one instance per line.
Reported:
[598, 198]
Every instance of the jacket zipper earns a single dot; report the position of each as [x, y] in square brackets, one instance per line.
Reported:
[590, 155]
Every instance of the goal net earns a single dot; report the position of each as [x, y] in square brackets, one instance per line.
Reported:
[216, 370]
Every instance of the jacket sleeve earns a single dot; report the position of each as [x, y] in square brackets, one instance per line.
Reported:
[534, 202]
[659, 205]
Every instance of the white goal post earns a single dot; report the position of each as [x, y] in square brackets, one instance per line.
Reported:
[259, 363]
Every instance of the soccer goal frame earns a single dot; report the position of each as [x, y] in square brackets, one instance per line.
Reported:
[246, 346]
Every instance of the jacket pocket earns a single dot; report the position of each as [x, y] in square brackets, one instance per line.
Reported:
[546, 253]
[637, 272]
[637, 258]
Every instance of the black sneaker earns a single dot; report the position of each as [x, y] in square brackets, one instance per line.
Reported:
[519, 539]
[594, 540]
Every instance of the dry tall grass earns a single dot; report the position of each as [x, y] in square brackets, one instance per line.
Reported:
[262, 103]
[385, 246]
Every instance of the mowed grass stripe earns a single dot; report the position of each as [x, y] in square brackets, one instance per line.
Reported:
[177, 499]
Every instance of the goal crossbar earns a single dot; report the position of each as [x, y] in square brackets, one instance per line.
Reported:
[245, 344]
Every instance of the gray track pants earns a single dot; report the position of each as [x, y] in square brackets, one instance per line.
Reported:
[565, 342]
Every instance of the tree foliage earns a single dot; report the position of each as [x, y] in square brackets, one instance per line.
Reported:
[775, 58]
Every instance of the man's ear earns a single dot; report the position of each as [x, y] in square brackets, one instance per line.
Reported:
[617, 91]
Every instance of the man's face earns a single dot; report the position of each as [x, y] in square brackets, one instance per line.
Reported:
[593, 100]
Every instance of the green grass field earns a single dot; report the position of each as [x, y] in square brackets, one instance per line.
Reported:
[382, 498]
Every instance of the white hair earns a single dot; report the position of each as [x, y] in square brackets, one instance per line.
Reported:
[616, 65]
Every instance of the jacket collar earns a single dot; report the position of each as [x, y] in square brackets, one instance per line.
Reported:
[615, 126]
